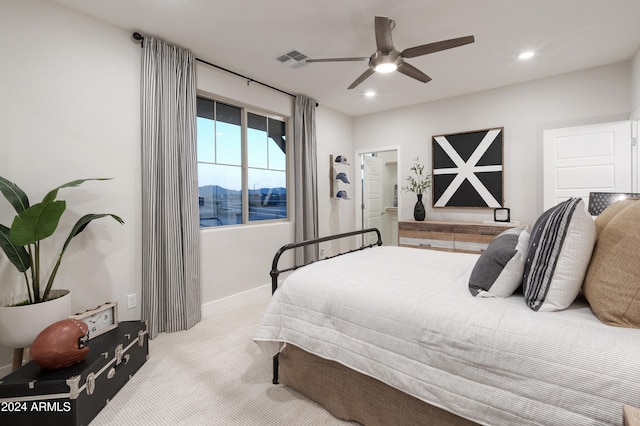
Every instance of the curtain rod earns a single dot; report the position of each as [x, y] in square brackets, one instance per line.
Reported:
[139, 37]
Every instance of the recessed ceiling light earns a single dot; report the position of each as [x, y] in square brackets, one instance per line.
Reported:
[526, 55]
[370, 94]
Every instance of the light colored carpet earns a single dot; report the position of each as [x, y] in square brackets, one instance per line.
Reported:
[212, 374]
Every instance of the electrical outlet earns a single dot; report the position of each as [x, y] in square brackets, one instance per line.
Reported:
[321, 253]
[131, 301]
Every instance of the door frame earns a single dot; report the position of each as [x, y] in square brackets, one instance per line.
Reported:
[358, 178]
[635, 155]
[374, 163]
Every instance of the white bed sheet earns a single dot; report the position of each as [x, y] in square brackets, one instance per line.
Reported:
[405, 316]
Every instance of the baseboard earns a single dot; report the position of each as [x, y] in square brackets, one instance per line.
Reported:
[236, 300]
[4, 370]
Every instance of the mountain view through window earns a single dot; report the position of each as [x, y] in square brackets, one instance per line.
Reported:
[242, 165]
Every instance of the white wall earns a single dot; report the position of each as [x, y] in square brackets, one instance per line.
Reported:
[70, 109]
[635, 86]
[524, 110]
[333, 137]
[238, 259]
[635, 116]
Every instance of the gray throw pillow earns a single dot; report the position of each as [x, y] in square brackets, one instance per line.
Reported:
[498, 271]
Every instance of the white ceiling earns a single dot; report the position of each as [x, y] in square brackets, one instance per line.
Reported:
[246, 36]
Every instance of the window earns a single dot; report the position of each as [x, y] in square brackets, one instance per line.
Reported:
[242, 165]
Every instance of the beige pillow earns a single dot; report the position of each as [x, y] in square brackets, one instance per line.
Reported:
[612, 281]
[609, 213]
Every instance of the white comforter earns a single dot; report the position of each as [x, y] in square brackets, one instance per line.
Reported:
[405, 316]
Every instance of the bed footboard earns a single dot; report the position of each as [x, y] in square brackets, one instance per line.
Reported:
[275, 272]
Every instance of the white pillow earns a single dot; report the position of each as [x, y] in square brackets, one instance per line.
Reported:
[559, 253]
[498, 271]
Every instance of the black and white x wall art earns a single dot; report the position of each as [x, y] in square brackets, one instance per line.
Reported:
[468, 169]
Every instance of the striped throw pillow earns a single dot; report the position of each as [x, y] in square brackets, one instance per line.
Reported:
[559, 252]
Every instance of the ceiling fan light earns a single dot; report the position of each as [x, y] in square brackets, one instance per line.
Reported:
[386, 67]
[526, 55]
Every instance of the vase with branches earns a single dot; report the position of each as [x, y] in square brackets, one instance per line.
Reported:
[418, 182]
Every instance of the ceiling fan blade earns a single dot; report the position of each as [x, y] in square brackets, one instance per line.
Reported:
[338, 59]
[362, 78]
[425, 49]
[383, 28]
[413, 72]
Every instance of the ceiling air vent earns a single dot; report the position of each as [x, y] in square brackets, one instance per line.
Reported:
[294, 59]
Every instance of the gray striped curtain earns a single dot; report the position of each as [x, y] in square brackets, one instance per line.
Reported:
[306, 189]
[170, 217]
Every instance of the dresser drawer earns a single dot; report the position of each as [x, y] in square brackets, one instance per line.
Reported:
[429, 235]
[468, 237]
[476, 238]
[428, 243]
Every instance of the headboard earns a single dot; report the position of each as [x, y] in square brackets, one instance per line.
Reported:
[598, 201]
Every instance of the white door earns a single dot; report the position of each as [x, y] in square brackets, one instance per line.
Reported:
[372, 195]
[579, 160]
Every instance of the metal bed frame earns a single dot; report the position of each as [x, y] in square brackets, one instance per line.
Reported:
[275, 272]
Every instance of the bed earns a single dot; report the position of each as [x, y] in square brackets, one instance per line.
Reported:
[393, 335]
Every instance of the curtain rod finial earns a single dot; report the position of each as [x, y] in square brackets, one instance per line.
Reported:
[137, 36]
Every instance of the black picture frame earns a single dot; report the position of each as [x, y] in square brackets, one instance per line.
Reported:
[502, 214]
[468, 169]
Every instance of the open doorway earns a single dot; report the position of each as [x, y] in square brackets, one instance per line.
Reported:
[378, 193]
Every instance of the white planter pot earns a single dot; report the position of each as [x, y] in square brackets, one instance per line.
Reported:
[20, 325]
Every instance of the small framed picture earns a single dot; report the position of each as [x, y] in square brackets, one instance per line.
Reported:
[502, 214]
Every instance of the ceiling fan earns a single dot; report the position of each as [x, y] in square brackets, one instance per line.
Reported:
[387, 59]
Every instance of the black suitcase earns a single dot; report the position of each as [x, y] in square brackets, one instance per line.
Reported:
[76, 394]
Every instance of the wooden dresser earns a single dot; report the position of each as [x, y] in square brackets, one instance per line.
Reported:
[468, 237]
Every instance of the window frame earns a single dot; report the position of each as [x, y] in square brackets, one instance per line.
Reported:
[245, 109]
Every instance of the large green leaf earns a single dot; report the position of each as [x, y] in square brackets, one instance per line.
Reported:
[82, 223]
[37, 222]
[54, 192]
[80, 226]
[16, 196]
[17, 254]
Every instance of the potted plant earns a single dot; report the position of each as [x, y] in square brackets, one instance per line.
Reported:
[419, 182]
[21, 244]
